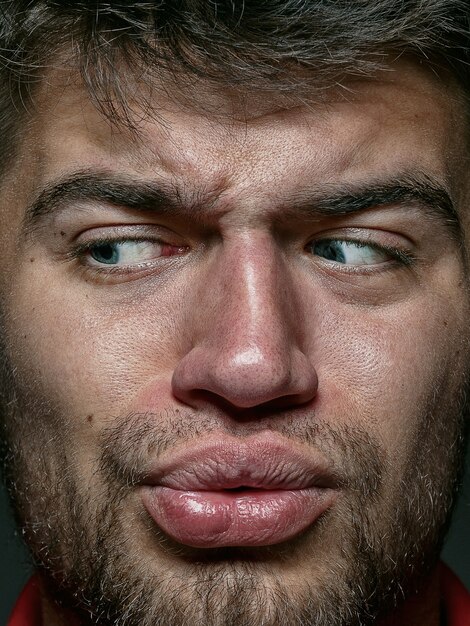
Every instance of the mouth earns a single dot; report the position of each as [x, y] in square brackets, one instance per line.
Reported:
[227, 492]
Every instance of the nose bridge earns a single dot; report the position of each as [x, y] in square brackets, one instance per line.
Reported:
[251, 321]
[244, 345]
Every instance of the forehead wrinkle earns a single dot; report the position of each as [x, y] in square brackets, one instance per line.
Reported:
[235, 171]
[149, 153]
[173, 146]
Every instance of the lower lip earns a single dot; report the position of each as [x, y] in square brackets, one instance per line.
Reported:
[215, 519]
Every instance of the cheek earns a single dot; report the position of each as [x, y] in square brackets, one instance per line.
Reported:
[377, 367]
[87, 354]
[380, 368]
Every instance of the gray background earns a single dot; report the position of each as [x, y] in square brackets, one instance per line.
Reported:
[14, 567]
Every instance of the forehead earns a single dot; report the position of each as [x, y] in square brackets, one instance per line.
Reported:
[405, 119]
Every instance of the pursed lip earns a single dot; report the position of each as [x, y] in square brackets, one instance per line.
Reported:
[220, 462]
[223, 491]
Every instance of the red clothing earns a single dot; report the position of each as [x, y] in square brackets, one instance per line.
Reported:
[456, 598]
[27, 611]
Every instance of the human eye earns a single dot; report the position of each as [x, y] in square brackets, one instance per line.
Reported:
[115, 253]
[126, 253]
[352, 253]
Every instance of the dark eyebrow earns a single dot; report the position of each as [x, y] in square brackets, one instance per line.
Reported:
[327, 200]
[89, 187]
[415, 189]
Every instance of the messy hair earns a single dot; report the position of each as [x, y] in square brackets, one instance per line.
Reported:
[283, 46]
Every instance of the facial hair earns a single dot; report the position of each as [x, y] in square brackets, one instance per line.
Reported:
[101, 556]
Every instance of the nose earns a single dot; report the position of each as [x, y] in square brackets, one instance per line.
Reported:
[246, 332]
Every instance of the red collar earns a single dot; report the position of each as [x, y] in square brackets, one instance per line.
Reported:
[456, 599]
[27, 611]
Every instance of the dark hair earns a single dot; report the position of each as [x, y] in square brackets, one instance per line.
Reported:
[280, 45]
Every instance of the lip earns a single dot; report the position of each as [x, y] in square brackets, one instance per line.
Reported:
[224, 491]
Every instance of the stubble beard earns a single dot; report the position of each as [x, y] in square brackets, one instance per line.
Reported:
[359, 561]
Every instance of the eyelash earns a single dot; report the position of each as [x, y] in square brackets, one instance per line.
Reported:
[78, 252]
[404, 257]
[401, 258]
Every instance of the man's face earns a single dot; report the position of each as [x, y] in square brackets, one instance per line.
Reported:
[236, 351]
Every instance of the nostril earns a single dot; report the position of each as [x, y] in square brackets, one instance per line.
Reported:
[236, 385]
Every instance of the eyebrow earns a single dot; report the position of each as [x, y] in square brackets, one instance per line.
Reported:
[330, 200]
[416, 189]
[86, 187]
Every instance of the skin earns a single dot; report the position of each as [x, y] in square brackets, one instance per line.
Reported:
[243, 329]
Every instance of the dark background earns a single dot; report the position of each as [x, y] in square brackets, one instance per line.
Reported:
[15, 569]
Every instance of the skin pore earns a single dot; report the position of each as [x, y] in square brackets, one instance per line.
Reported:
[297, 272]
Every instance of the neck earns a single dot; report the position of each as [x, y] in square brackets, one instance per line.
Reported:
[53, 614]
[422, 609]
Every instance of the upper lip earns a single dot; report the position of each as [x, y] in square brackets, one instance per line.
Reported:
[264, 461]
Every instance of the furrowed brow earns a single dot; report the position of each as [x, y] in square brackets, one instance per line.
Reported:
[413, 190]
[86, 187]
[333, 200]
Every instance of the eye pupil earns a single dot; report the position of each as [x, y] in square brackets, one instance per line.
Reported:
[105, 253]
[330, 250]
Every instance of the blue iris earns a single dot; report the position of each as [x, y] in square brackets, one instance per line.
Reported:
[107, 253]
[330, 250]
